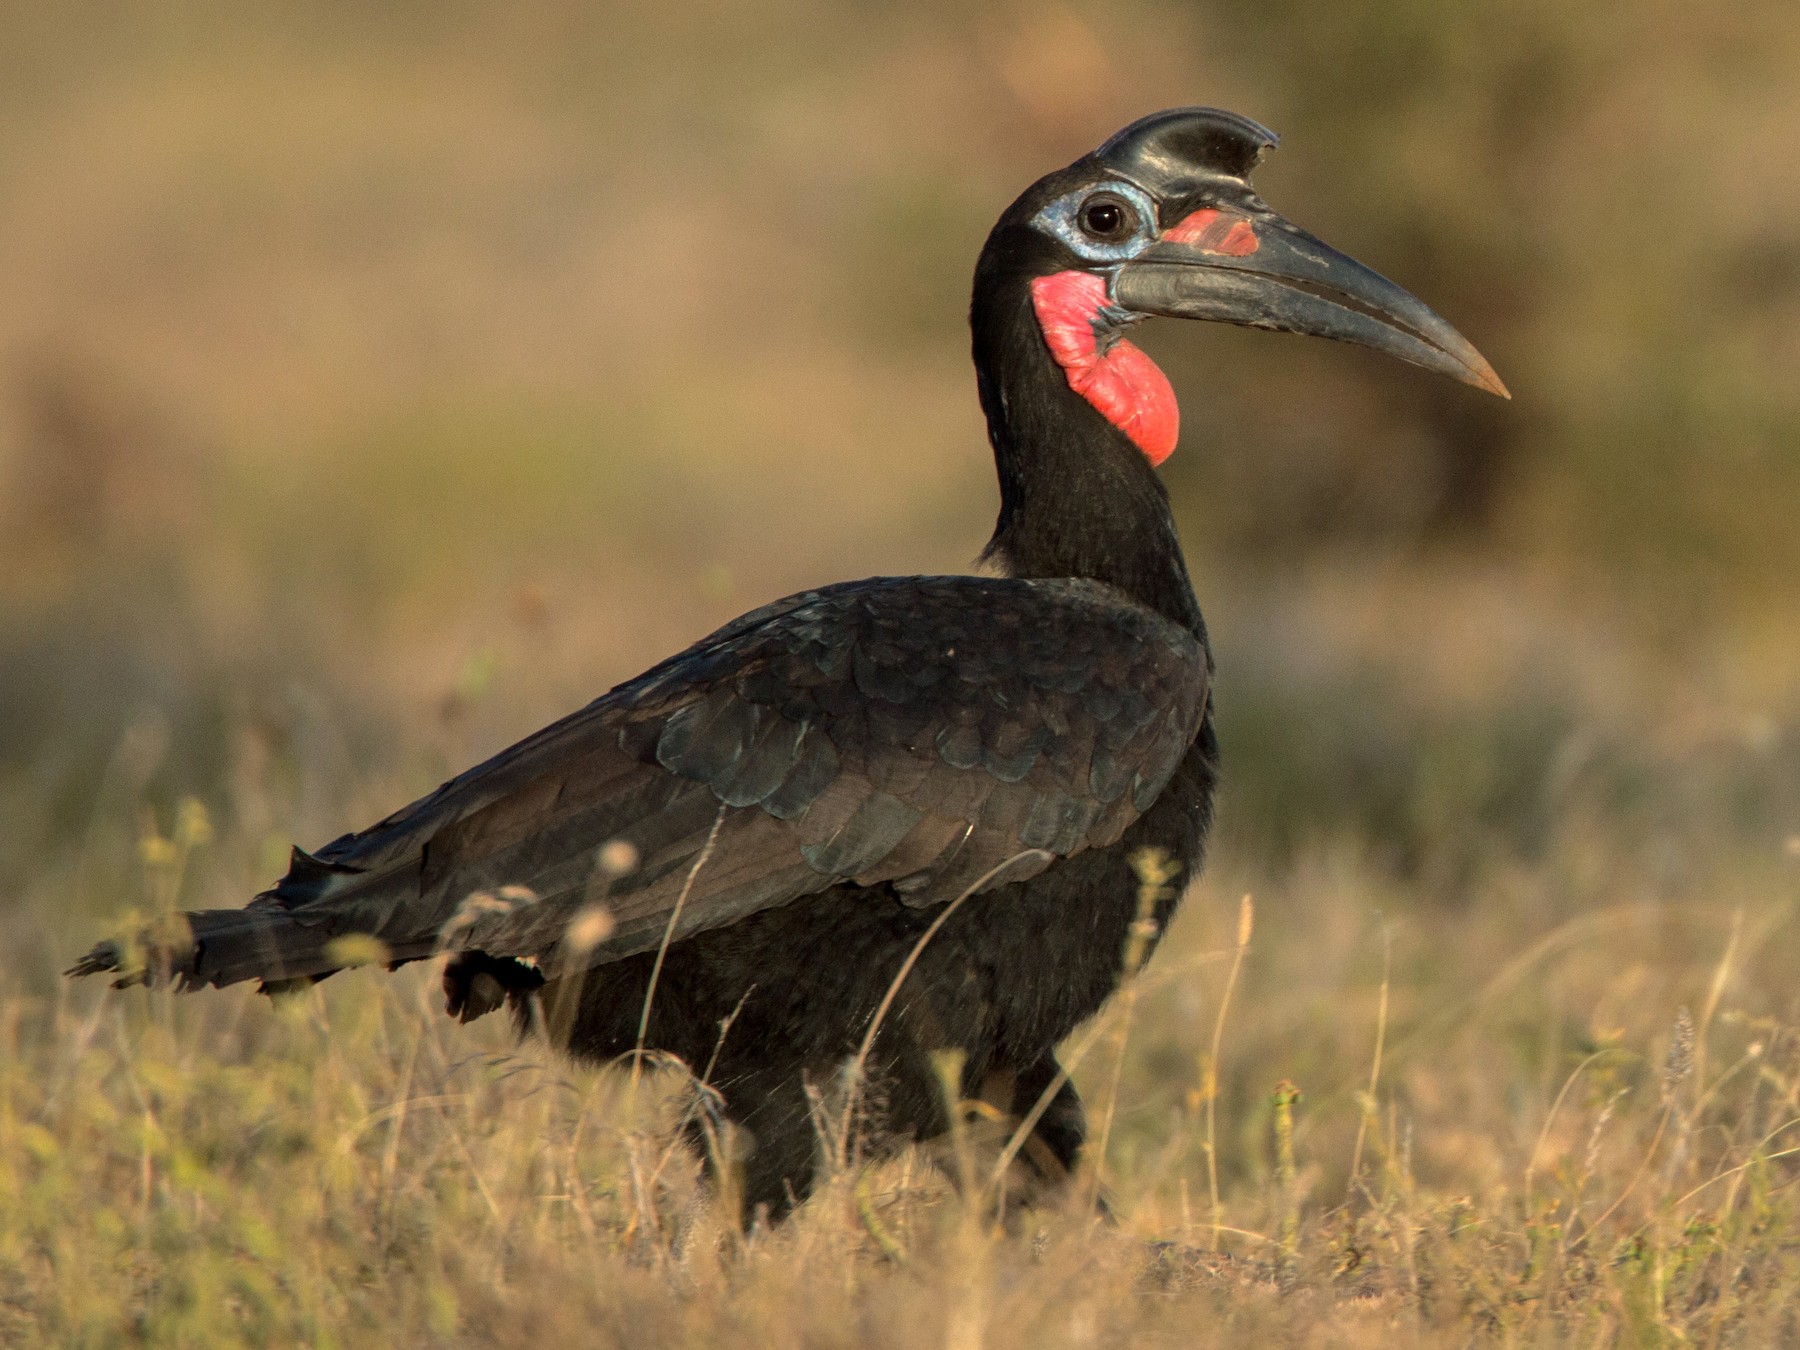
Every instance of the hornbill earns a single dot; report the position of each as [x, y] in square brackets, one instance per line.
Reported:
[734, 857]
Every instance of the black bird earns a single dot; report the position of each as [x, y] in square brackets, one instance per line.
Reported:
[756, 834]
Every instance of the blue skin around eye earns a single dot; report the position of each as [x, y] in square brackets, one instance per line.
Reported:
[1059, 219]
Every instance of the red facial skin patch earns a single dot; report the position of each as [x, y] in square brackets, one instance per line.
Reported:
[1117, 378]
[1213, 231]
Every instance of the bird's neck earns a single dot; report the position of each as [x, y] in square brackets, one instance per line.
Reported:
[1077, 498]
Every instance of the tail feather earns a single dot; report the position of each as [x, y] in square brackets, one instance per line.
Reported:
[218, 947]
[317, 920]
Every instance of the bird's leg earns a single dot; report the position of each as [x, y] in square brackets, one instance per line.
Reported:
[771, 1158]
[1054, 1144]
[1051, 1150]
[1042, 1164]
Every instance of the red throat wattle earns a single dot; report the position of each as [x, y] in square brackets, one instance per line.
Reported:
[1126, 386]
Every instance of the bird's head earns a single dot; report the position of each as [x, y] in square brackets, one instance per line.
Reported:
[1161, 220]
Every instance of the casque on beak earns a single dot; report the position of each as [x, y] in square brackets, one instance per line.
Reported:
[1242, 263]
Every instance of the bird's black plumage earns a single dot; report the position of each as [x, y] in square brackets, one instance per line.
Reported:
[798, 797]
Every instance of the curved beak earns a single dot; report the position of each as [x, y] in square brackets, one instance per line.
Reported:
[1247, 265]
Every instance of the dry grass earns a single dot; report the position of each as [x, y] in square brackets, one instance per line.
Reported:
[1434, 1125]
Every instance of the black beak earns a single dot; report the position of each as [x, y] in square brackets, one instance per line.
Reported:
[1246, 265]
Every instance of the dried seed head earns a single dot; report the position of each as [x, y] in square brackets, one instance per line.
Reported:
[618, 857]
[1680, 1061]
[158, 942]
[1246, 919]
[591, 926]
[193, 826]
[356, 949]
[1592, 1163]
[1209, 1080]
[1155, 869]
[478, 905]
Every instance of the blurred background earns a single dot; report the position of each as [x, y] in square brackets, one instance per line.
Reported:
[377, 383]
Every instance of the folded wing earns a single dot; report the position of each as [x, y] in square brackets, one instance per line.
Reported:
[930, 735]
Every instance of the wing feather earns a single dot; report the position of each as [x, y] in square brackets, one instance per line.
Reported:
[918, 731]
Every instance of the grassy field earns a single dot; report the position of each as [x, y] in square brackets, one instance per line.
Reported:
[1559, 1105]
[374, 389]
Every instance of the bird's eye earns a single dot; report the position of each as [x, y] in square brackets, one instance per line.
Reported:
[1104, 216]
